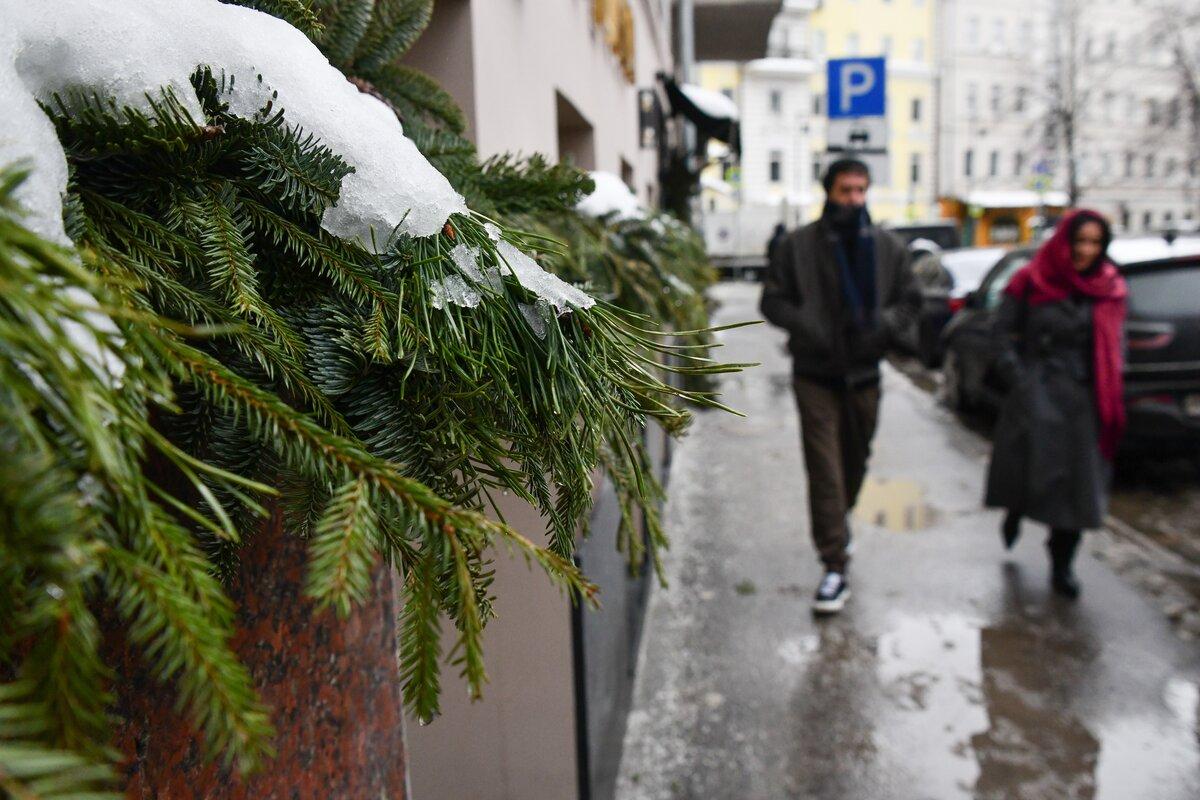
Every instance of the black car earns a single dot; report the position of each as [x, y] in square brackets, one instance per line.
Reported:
[1162, 373]
[945, 279]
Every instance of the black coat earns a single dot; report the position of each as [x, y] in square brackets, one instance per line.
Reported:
[1046, 461]
[802, 294]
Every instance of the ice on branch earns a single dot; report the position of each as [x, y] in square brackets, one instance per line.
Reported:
[454, 290]
[550, 288]
[130, 50]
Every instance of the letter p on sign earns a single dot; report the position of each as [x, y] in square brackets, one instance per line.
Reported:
[857, 87]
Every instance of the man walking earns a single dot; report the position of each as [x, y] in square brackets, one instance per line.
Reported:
[841, 288]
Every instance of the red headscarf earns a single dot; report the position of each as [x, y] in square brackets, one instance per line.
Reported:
[1051, 277]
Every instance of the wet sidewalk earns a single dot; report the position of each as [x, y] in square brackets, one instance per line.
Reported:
[953, 672]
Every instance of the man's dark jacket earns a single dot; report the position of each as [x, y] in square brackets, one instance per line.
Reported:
[802, 294]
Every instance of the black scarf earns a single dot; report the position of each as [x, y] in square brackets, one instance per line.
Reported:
[854, 249]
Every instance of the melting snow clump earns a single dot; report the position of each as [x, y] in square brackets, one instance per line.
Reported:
[124, 50]
[611, 196]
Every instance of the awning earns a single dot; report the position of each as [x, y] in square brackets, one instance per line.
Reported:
[713, 114]
[1016, 198]
[733, 30]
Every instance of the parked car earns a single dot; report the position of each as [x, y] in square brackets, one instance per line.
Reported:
[944, 233]
[1162, 373]
[945, 279]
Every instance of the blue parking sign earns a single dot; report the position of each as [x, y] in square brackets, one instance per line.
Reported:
[857, 87]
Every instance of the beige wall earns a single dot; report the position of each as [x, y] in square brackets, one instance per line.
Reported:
[518, 742]
[444, 51]
[507, 65]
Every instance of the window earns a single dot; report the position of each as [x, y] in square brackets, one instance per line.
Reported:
[1106, 164]
[918, 49]
[973, 31]
[968, 163]
[1129, 159]
[915, 169]
[1164, 293]
[1168, 218]
[1150, 166]
[1170, 167]
[1153, 112]
[1001, 274]
[816, 170]
[1173, 113]
[1147, 221]
[997, 98]
[776, 101]
[1018, 164]
[1021, 99]
[998, 34]
[1110, 46]
[1110, 106]
[776, 166]
[916, 109]
[972, 99]
[1026, 35]
[994, 164]
[818, 104]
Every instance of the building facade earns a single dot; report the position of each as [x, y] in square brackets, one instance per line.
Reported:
[903, 32]
[1030, 88]
[742, 202]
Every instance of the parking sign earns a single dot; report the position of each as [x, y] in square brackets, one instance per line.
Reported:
[857, 87]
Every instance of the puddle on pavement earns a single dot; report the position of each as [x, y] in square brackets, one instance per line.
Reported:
[929, 671]
[894, 504]
[985, 713]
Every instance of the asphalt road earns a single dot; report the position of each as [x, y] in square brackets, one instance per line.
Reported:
[953, 673]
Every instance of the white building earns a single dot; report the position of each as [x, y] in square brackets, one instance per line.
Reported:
[1003, 159]
[741, 206]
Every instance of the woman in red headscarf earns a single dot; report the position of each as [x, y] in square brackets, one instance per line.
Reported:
[1059, 330]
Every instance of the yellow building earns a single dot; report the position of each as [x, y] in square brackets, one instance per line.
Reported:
[903, 32]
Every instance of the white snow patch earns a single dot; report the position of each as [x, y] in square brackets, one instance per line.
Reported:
[562, 295]
[714, 104]
[124, 50]
[611, 196]
[28, 136]
[100, 359]
[679, 285]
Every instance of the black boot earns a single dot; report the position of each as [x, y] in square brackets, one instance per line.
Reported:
[1010, 531]
[1062, 546]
